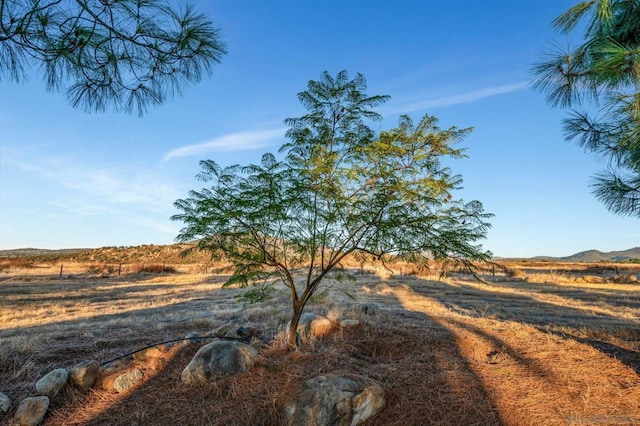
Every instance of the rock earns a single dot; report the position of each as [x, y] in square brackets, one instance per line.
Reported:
[85, 374]
[312, 325]
[192, 338]
[236, 332]
[52, 382]
[219, 359]
[115, 366]
[345, 323]
[31, 411]
[127, 380]
[154, 352]
[334, 400]
[370, 308]
[368, 403]
[5, 404]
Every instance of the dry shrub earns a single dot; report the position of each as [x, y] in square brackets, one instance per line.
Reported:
[513, 272]
[103, 270]
[591, 279]
[155, 269]
[624, 279]
[9, 263]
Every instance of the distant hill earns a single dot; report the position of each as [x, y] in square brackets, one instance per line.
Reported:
[144, 253]
[594, 256]
[34, 252]
[598, 256]
[173, 253]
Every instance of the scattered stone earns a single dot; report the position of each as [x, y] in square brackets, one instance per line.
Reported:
[236, 332]
[52, 382]
[334, 400]
[311, 324]
[31, 411]
[370, 308]
[5, 404]
[219, 359]
[192, 338]
[85, 374]
[345, 323]
[127, 380]
[154, 352]
[115, 366]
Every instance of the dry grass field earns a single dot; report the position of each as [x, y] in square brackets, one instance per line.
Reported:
[534, 344]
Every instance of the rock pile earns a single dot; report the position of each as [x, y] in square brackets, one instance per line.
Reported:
[31, 411]
[323, 400]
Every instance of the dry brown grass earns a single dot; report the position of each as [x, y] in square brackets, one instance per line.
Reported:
[458, 351]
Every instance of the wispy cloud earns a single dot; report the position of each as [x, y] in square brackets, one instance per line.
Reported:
[438, 67]
[462, 98]
[241, 141]
[97, 188]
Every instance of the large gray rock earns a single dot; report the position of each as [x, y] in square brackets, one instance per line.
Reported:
[334, 400]
[5, 404]
[219, 359]
[85, 374]
[311, 324]
[31, 411]
[127, 380]
[52, 382]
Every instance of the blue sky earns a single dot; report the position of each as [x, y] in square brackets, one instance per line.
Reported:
[71, 179]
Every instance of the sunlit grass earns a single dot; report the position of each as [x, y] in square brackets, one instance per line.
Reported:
[539, 349]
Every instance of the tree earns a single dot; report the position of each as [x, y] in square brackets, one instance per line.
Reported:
[340, 190]
[127, 53]
[603, 74]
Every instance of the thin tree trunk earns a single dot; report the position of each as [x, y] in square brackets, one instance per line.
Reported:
[292, 340]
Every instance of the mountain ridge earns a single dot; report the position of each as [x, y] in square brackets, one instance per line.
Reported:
[590, 256]
[587, 256]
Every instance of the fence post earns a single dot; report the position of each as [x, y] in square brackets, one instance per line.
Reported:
[61, 266]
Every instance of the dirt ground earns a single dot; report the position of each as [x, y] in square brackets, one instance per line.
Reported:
[538, 345]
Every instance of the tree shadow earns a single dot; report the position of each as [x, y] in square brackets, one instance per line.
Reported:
[426, 379]
[29, 351]
[492, 301]
[415, 355]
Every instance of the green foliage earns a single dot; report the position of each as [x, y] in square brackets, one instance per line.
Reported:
[257, 294]
[603, 73]
[319, 297]
[340, 189]
[630, 260]
[127, 53]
